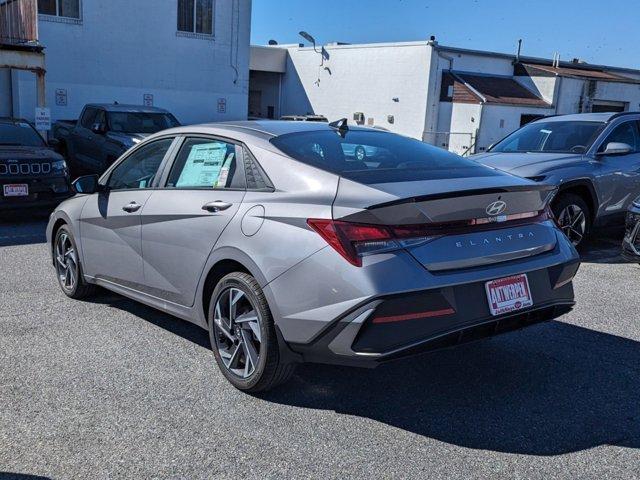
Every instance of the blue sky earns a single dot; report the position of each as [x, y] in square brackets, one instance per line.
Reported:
[604, 32]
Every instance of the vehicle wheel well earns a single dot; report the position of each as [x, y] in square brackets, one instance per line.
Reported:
[583, 192]
[216, 273]
[56, 226]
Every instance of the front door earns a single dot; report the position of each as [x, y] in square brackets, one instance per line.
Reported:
[183, 220]
[111, 220]
[619, 175]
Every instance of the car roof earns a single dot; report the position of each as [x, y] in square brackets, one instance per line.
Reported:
[113, 107]
[582, 117]
[271, 128]
[13, 120]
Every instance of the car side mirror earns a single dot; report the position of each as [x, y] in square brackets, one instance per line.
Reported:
[617, 148]
[99, 128]
[86, 184]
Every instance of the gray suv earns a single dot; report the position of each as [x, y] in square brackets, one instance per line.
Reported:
[594, 159]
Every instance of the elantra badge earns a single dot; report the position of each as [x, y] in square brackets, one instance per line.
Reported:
[496, 208]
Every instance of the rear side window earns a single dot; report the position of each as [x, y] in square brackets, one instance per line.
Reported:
[206, 163]
[376, 157]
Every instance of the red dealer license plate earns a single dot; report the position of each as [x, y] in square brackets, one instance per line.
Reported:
[508, 294]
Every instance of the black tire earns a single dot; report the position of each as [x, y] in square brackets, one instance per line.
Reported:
[80, 289]
[566, 201]
[272, 369]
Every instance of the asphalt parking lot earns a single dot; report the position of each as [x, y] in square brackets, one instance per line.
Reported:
[110, 388]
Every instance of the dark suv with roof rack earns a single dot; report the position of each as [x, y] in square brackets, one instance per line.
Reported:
[31, 173]
[593, 158]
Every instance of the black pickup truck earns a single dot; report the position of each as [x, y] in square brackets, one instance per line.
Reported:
[106, 131]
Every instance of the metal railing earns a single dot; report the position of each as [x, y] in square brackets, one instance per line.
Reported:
[18, 22]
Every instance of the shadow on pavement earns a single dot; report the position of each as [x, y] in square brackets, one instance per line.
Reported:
[548, 390]
[20, 476]
[23, 228]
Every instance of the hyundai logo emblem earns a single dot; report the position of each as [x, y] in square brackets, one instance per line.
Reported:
[496, 208]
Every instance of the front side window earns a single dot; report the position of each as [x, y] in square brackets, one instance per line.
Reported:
[88, 117]
[195, 16]
[19, 134]
[625, 133]
[60, 8]
[204, 163]
[140, 122]
[557, 137]
[140, 168]
[376, 157]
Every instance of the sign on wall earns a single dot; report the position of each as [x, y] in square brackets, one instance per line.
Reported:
[147, 100]
[61, 97]
[43, 119]
[222, 105]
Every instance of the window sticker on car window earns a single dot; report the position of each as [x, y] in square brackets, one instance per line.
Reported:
[224, 171]
[203, 165]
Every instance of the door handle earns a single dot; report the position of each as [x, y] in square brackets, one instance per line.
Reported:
[216, 206]
[131, 207]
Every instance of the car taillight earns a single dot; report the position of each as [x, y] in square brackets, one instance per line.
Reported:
[355, 240]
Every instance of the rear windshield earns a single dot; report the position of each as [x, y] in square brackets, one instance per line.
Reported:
[376, 157]
[559, 137]
[19, 134]
[133, 122]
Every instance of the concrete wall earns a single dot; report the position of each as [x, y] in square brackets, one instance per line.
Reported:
[122, 50]
[377, 80]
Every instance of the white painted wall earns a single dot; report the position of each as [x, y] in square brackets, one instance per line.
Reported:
[124, 49]
[498, 121]
[544, 87]
[619, 92]
[361, 78]
[465, 119]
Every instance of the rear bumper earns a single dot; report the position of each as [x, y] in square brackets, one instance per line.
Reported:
[325, 307]
[356, 340]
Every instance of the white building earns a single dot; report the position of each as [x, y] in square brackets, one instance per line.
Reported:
[460, 99]
[190, 57]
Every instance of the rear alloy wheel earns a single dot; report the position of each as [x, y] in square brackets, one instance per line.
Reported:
[68, 268]
[573, 217]
[243, 335]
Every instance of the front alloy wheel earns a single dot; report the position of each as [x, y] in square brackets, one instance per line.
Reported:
[238, 333]
[573, 223]
[66, 262]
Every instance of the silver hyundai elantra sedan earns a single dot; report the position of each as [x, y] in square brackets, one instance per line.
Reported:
[290, 248]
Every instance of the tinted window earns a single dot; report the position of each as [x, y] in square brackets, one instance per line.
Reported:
[88, 116]
[625, 133]
[205, 163]
[376, 157]
[101, 118]
[140, 168]
[133, 122]
[62, 8]
[19, 134]
[560, 136]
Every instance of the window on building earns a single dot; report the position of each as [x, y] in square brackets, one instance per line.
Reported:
[60, 8]
[195, 16]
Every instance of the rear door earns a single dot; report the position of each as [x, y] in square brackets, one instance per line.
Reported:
[111, 220]
[201, 192]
